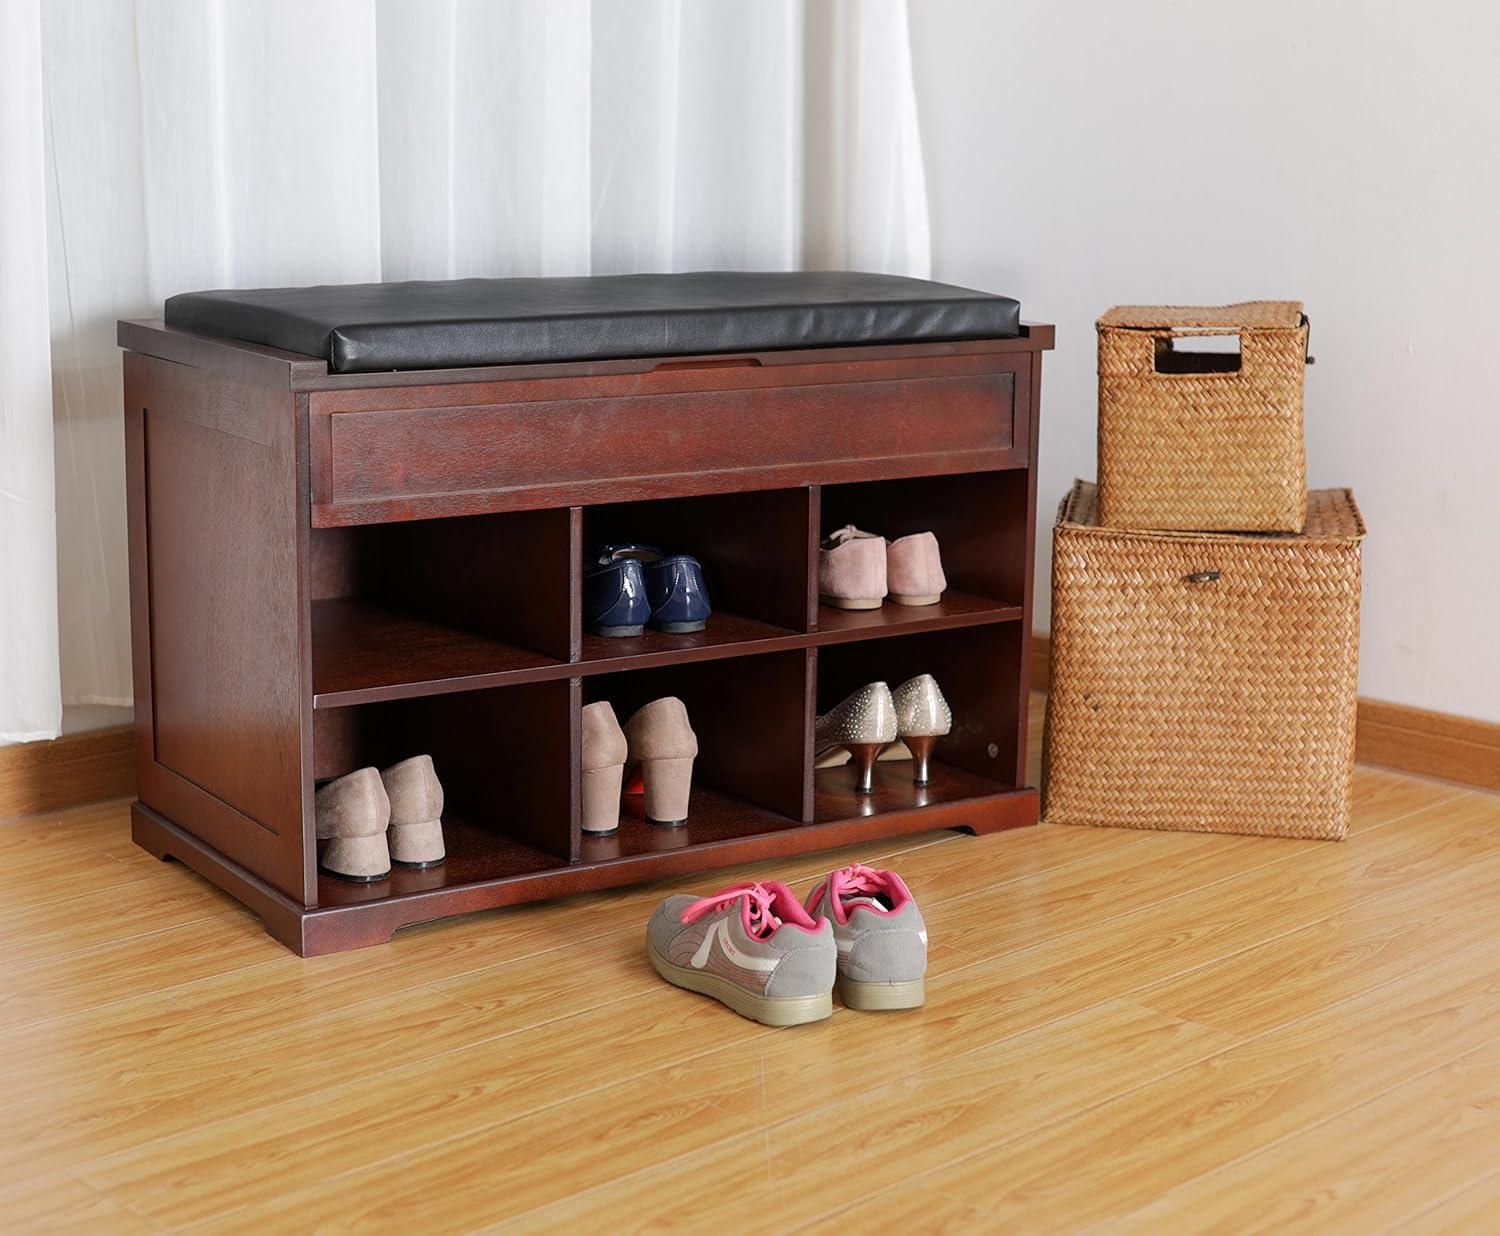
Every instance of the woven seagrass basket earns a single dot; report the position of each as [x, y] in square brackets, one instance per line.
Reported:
[1201, 440]
[1203, 681]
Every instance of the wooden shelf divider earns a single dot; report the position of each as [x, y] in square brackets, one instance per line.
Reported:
[352, 639]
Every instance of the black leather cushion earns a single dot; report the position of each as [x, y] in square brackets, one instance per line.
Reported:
[367, 327]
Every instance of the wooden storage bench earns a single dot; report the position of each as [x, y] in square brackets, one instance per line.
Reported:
[331, 570]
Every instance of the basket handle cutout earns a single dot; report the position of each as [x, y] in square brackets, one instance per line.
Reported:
[1204, 577]
[1180, 354]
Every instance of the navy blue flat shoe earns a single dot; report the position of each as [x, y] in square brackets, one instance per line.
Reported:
[614, 598]
[675, 590]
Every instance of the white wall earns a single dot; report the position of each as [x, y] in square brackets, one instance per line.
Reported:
[1091, 153]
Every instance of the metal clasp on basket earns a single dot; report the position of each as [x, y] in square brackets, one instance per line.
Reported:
[1203, 577]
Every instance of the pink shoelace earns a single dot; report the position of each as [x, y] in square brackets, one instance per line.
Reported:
[760, 920]
[855, 880]
[857, 885]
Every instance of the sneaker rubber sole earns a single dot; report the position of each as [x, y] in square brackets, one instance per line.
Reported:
[873, 997]
[768, 1010]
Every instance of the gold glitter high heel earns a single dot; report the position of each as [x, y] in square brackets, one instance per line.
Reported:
[862, 724]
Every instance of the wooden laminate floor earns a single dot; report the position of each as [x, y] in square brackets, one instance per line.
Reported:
[1138, 1032]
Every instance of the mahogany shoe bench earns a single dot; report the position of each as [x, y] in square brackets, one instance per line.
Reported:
[371, 546]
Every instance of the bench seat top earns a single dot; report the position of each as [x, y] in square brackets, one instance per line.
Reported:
[374, 327]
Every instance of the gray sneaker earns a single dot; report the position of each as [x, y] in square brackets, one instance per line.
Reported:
[881, 938]
[752, 947]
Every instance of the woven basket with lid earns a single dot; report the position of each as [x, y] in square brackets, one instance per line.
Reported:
[1204, 681]
[1201, 440]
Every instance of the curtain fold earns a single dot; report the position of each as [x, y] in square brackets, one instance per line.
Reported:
[167, 145]
[30, 705]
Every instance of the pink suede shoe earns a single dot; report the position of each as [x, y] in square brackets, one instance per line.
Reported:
[851, 569]
[859, 570]
[914, 570]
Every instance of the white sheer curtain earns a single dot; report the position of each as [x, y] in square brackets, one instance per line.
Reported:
[30, 704]
[165, 145]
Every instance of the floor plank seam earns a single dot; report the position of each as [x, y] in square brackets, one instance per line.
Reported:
[1123, 913]
[36, 963]
[168, 993]
[147, 1220]
[410, 1064]
[64, 903]
[1194, 890]
[1438, 1204]
[365, 1081]
[1312, 1125]
[1151, 905]
[1141, 994]
[887, 1084]
[1145, 992]
[1454, 789]
[62, 814]
[1247, 1040]
[451, 1139]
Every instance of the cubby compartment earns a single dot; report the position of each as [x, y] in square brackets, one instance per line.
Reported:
[506, 759]
[436, 605]
[979, 521]
[976, 669]
[755, 550]
[751, 721]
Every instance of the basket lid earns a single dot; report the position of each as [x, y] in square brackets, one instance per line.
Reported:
[1332, 515]
[1247, 315]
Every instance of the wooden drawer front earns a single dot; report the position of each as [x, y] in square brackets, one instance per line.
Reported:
[578, 441]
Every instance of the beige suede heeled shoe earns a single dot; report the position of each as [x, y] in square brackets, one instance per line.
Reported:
[861, 724]
[662, 741]
[353, 813]
[416, 795]
[604, 752]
